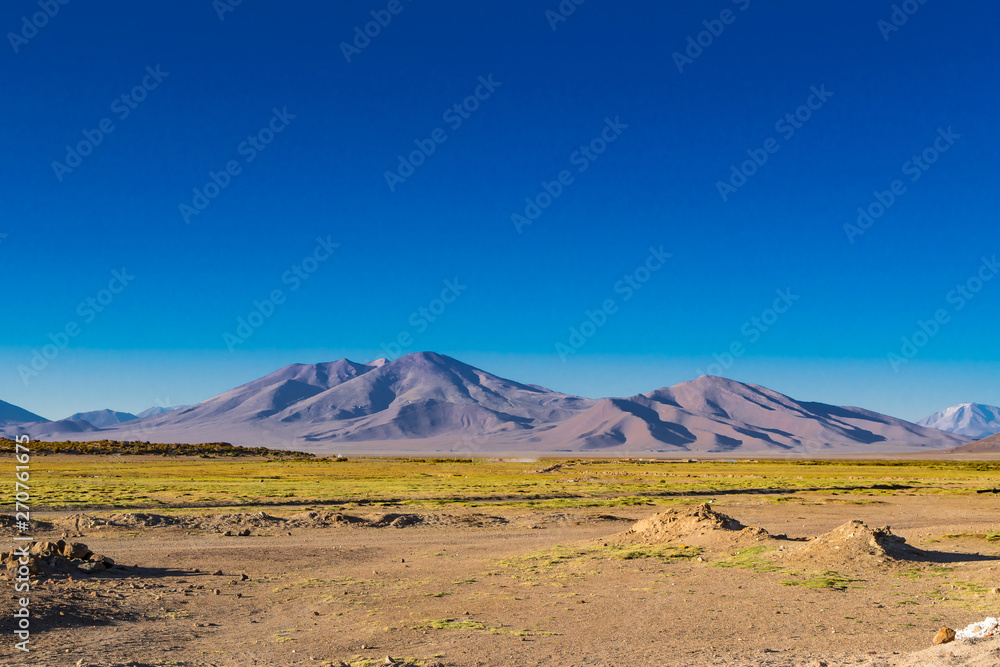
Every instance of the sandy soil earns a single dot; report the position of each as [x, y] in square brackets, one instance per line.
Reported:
[506, 587]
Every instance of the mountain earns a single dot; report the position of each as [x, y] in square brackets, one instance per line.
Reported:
[102, 418]
[11, 414]
[426, 402]
[418, 396]
[713, 414]
[969, 419]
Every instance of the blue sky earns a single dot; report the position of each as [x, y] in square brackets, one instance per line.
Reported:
[592, 121]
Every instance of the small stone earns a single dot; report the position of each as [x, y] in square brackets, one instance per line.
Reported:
[995, 591]
[217, 573]
[243, 576]
[91, 567]
[944, 635]
[216, 591]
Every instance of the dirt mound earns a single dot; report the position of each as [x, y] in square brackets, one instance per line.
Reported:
[698, 525]
[141, 520]
[396, 520]
[464, 520]
[317, 519]
[853, 545]
[9, 525]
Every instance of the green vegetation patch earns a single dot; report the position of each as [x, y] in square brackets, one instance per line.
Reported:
[828, 579]
[993, 536]
[749, 559]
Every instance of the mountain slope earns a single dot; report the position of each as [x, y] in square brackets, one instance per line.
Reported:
[984, 446]
[102, 418]
[11, 414]
[970, 419]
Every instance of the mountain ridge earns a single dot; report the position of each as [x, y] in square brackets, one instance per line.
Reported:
[969, 419]
[427, 402]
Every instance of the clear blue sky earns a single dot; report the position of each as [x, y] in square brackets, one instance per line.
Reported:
[885, 95]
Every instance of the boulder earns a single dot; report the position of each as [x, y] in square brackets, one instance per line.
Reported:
[44, 549]
[75, 550]
[944, 635]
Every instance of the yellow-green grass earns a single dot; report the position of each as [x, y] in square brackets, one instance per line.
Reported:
[111, 481]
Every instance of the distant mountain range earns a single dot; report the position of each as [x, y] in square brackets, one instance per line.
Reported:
[102, 418]
[969, 419]
[427, 402]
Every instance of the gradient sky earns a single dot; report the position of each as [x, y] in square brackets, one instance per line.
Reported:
[163, 337]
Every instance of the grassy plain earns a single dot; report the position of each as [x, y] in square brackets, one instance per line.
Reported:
[158, 482]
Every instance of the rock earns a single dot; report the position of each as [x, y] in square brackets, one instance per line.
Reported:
[44, 549]
[91, 567]
[101, 558]
[245, 532]
[75, 550]
[995, 591]
[944, 635]
[243, 576]
[217, 573]
[216, 591]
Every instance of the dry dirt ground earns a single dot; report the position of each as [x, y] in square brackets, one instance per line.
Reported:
[509, 587]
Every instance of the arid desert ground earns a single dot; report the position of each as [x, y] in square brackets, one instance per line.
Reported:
[511, 563]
